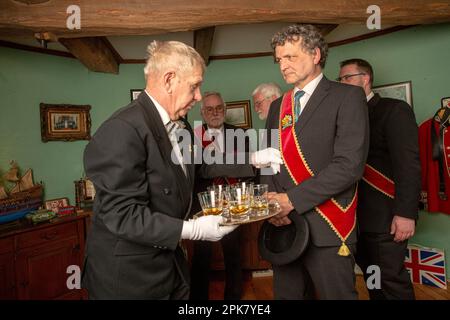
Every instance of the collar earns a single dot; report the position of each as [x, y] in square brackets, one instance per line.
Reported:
[370, 95]
[162, 112]
[214, 129]
[311, 86]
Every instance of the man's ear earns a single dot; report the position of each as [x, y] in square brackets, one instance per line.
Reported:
[367, 80]
[317, 56]
[169, 78]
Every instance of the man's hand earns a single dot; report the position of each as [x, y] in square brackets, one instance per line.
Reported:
[403, 228]
[281, 219]
[267, 157]
[205, 228]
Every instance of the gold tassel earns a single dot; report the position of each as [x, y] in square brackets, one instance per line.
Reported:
[343, 250]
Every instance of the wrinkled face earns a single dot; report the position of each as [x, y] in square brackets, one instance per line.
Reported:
[185, 92]
[297, 66]
[350, 74]
[262, 105]
[213, 111]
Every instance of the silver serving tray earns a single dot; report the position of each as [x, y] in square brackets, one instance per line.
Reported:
[274, 209]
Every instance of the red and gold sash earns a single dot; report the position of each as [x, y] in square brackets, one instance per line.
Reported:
[341, 220]
[199, 132]
[379, 181]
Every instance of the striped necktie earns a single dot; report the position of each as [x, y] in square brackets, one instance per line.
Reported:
[171, 129]
[297, 106]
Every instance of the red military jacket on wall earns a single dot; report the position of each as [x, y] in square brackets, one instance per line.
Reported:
[436, 198]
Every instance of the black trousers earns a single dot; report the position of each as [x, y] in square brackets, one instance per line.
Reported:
[201, 261]
[380, 249]
[319, 273]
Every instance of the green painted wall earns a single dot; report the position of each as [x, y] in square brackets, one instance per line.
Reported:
[417, 54]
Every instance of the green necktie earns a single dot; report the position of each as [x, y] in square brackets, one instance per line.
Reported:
[297, 106]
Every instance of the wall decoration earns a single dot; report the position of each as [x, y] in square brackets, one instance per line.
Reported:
[401, 91]
[65, 122]
[134, 93]
[238, 114]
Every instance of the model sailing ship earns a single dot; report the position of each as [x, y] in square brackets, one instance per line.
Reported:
[24, 196]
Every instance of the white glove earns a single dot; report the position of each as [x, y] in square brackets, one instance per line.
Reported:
[205, 228]
[269, 157]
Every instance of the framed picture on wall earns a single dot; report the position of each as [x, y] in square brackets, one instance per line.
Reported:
[401, 91]
[238, 114]
[134, 93]
[445, 102]
[65, 122]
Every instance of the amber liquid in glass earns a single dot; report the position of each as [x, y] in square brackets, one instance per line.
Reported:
[212, 211]
[239, 209]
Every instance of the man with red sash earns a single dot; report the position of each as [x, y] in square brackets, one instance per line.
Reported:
[323, 128]
[389, 192]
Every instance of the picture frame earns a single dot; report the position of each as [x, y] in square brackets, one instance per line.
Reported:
[66, 122]
[400, 90]
[445, 102]
[134, 93]
[55, 204]
[238, 114]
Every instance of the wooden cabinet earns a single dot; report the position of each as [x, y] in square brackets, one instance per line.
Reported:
[34, 260]
[7, 282]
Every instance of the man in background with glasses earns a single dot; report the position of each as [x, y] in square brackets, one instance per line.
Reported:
[213, 135]
[389, 193]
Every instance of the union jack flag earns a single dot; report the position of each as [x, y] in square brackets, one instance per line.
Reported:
[426, 266]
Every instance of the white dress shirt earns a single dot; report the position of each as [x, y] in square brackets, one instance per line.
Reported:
[308, 89]
[171, 128]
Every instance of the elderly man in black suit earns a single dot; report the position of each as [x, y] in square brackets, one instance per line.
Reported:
[389, 193]
[143, 187]
[323, 127]
[144, 178]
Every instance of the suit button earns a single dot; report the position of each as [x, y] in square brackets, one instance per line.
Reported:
[166, 191]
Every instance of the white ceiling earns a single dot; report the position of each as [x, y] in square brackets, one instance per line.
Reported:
[228, 40]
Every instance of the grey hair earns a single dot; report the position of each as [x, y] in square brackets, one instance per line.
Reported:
[213, 93]
[268, 90]
[163, 55]
[310, 38]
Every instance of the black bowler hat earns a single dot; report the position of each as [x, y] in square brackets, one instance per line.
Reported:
[283, 245]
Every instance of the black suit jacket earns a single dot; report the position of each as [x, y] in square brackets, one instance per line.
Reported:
[394, 151]
[206, 173]
[141, 200]
[333, 134]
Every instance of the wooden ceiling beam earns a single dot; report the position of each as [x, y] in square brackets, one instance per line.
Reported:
[143, 17]
[203, 39]
[96, 53]
[326, 28]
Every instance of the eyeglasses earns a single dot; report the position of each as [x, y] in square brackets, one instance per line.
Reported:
[258, 103]
[348, 76]
[211, 109]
